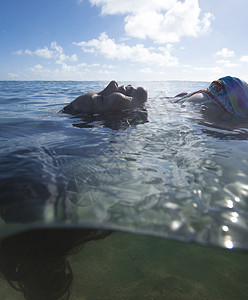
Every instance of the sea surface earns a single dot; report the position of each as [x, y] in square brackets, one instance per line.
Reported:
[172, 177]
[169, 170]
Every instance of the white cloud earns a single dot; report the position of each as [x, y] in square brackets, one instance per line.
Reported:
[44, 53]
[108, 66]
[37, 68]
[53, 52]
[227, 63]
[131, 6]
[13, 76]
[104, 72]
[64, 71]
[210, 70]
[146, 71]
[95, 65]
[18, 52]
[244, 58]
[203, 73]
[159, 20]
[225, 53]
[110, 49]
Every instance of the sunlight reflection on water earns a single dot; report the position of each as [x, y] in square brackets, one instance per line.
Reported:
[166, 171]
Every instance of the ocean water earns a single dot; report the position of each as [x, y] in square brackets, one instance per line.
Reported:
[168, 171]
[128, 266]
[173, 171]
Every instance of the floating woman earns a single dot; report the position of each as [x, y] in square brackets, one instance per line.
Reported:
[112, 98]
[230, 94]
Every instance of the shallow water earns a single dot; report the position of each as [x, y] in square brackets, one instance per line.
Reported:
[127, 266]
[170, 171]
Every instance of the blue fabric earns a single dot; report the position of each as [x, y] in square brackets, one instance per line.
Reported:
[237, 91]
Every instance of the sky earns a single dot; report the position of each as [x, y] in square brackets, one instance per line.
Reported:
[123, 39]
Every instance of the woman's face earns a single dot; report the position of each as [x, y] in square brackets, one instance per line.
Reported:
[138, 93]
[113, 87]
[126, 90]
[112, 92]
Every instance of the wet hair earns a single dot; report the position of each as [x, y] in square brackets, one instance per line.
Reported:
[68, 109]
[140, 94]
[35, 262]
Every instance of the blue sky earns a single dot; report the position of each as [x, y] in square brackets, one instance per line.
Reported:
[123, 39]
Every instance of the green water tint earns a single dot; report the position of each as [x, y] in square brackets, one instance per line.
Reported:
[126, 266]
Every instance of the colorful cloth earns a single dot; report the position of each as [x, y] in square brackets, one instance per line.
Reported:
[230, 94]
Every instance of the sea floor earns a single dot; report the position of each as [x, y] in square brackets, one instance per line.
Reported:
[128, 266]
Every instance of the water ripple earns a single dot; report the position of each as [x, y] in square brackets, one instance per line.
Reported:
[166, 171]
